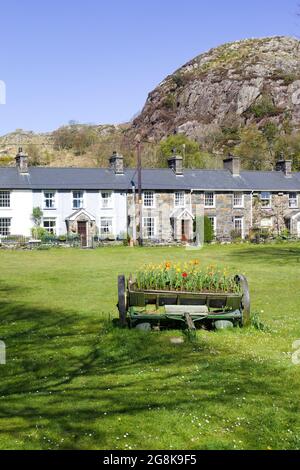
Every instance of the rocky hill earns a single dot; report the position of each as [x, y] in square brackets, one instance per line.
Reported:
[255, 80]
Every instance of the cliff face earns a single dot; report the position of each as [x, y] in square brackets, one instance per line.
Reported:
[255, 80]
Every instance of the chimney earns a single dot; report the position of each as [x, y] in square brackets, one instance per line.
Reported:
[116, 163]
[22, 161]
[176, 163]
[285, 166]
[232, 164]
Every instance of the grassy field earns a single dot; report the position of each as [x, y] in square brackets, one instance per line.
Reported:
[74, 382]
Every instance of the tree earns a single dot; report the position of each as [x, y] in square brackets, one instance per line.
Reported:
[189, 149]
[254, 149]
[34, 154]
[37, 215]
[75, 137]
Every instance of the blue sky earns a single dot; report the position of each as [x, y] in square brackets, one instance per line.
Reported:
[95, 61]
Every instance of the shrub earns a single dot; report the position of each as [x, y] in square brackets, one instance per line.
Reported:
[264, 107]
[38, 233]
[236, 235]
[37, 215]
[208, 230]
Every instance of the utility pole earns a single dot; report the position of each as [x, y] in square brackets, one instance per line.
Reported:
[140, 201]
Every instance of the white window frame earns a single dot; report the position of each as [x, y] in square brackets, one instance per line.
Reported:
[262, 199]
[106, 202]
[47, 198]
[81, 199]
[293, 201]
[178, 197]
[213, 199]
[50, 230]
[105, 234]
[145, 197]
[5, 199]
[241, 218]
[5, 225]
[145, 235]
[214, 224]
[236, 195]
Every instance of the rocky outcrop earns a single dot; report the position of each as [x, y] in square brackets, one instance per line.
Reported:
[255, 80]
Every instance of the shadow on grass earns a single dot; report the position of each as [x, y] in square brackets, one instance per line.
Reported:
[70, 379]
[269, 253]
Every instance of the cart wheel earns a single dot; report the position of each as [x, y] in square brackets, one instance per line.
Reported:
[242, 280]
[122, 306]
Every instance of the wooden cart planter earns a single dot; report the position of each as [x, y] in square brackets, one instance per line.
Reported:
[188, 310]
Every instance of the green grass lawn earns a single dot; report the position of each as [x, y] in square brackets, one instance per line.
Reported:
[72, 381]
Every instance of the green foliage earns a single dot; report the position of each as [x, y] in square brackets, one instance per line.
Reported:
[257, 323]
[39, 233]
[253, 149]
[170, 101]
[75, 137]
[37, 215]
[194, 157]
[264, 107]
[208, 230]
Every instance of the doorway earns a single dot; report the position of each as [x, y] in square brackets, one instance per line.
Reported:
[185, 234]
[82, 232]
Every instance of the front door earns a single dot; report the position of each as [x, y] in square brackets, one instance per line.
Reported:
[184, 230]
[82, 226]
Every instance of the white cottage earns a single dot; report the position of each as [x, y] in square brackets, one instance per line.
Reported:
[86, 201]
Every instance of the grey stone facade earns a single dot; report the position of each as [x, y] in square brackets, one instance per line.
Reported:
[176, 225]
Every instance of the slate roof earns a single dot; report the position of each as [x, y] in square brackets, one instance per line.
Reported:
[40, 178]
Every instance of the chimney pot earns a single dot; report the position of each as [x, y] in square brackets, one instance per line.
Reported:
[116, 163]
[285, 166]
[22, 161]
[233, 164]
[175, 163]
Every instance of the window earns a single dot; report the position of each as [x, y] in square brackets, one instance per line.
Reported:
[213, 221]
[266, 223]
[49, 225]
[149, 227]
[106, 226]
[49, 200]
[148, 199]
[106, 200]
[77, 199]
[238, 225]
[265, 198]
[209, 200]
[180, 199]
[4, 199]
[5, 227]
[293, 201]
[238, 200]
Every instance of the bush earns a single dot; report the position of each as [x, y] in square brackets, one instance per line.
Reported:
[208, 230]
[264, 107]
[39, 232]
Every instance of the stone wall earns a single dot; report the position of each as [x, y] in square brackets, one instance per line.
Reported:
[279, 212]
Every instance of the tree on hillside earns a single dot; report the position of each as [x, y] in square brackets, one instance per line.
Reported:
[254, 149]
[188, 149]
[74, 137]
